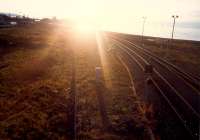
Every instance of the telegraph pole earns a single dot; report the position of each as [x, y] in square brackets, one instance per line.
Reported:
[172, 37]
[144, 20]
[174, 18]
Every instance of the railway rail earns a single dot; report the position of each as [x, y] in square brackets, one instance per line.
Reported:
[194, 80]
[179, 89]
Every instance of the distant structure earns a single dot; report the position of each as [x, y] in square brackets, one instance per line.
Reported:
[144, 20]
[24, 21]
[4, 19]
[52, 20]
[45, 20]
[10, 20]
[7, 20]
[174, 18]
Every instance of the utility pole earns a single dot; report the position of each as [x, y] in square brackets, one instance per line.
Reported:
[170, 42]
[174, 18]
[144, 20]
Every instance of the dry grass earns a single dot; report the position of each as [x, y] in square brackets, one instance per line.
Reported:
[182, 53]
[124, 110]
[185, 54]
[35, 83]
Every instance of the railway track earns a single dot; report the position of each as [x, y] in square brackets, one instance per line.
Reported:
[179, 89]
[194, 80]
[72, 103]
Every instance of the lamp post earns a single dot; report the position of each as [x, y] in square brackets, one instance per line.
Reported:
[144, 20]
[174, 18]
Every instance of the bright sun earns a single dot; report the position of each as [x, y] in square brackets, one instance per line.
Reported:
[85, 28]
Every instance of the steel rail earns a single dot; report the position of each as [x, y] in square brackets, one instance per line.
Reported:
[172, 106]
[186, 75]
[164, 79]
[192, 97]
[148, 128]
[165, 97]
[185, 78]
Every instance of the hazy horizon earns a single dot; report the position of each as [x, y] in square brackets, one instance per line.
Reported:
[121, 16]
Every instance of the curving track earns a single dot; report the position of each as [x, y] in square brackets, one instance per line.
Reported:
[180, 90]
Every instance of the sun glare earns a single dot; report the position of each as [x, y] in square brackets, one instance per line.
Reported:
[85, 28]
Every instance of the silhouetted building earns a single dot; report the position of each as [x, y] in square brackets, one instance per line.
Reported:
[4, 19]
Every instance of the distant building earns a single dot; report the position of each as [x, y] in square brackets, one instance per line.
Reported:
[24, 21]
[45, 20]
[4, 19]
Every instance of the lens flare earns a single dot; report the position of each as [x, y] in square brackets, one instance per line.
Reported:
[85, 28]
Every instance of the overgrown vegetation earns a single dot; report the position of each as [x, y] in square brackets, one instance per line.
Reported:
[35, 87]
[182, 53]
[34, 83]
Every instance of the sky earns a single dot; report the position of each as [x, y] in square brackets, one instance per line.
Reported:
[117, 15]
